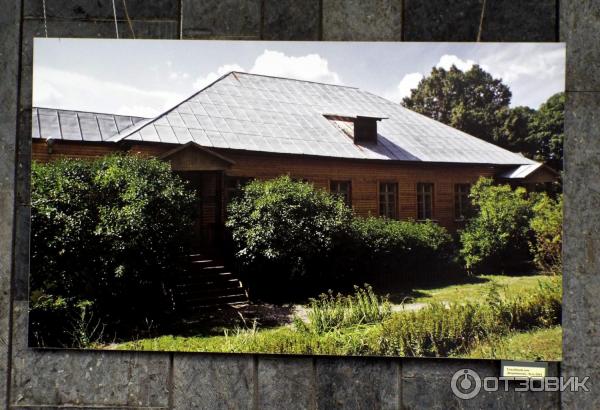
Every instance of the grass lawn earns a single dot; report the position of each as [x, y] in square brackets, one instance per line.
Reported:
[354, 340]
[474, 290]
[404, 333]
[539, 344]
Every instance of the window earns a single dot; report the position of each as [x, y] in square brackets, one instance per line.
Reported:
[462, 202]
[388, 197]
[234, 185]
[342, 189]
[303, 180]
[424, 201]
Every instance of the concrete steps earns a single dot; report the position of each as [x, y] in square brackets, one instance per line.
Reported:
[208, 283]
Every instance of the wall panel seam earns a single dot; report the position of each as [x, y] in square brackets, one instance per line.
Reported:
[12, 269]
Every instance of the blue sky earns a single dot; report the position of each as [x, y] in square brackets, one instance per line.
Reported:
[145, 77]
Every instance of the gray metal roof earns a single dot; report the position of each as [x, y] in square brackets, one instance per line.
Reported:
[522, 171]
[78, 125]
[280, 115]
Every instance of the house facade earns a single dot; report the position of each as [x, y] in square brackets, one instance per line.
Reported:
[381, 158]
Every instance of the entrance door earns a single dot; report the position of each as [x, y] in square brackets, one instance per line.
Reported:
[208, 228]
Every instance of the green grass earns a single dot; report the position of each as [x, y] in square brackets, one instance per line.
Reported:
[438, 330]
[539, 344]
[474, 292]
[331, 312]
[356, 340]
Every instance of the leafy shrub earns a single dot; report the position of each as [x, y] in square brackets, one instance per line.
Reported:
[542, 308]
[547, 229]
[284, 233]
[56, 321]
[498, 236]
[49, 319]
[109, 231]
[440, 330]
[329, 312]
[400, 246]
[290, 236]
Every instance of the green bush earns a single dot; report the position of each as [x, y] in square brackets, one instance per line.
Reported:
[110, 231]
[292, 238]
[405, 247]
[50, 318]
[440, 330]
[547, 229]
[284, 233]
[330, 312]
[498, 236]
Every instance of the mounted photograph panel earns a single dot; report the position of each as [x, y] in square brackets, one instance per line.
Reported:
[376, 199]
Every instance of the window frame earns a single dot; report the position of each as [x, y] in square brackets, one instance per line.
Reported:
[463, 207]
[421, 211]
[347, 197]
[396, 207]
[232, 192]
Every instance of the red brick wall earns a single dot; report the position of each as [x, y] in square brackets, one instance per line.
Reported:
[39, 150]
[365, 175]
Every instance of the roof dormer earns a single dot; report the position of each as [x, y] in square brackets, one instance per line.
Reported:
[361, 128]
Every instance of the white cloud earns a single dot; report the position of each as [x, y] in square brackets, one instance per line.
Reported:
[47, 95]
[139, 110]
[175, 75]
[533, 72]
[84, 92]
[202, 82]
[310, 67]
[513, 63]
[63, 88]
[521, 67]
[411, 80]
[525, 60]
[448, 60]
[408, 82]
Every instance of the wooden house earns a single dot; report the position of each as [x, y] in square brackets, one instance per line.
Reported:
[382, 158]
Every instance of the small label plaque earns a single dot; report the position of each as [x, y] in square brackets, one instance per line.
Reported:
[523, 370]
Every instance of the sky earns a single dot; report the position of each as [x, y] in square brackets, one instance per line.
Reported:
[147, 77]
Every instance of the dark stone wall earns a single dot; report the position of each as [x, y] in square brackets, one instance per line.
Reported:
[89, 379]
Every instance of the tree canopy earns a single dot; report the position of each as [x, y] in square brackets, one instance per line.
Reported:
[107, 236]
[547, 131]
[475, 102]
[467, 100]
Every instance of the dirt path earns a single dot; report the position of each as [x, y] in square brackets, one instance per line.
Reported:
[302, 310]
[265, 315]
[408, 307]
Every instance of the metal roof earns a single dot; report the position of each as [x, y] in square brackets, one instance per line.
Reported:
[280, 115]
[522, 171]
[78, 125]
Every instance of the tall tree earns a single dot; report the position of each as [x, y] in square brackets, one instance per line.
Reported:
[470, 101]
[547, 131]
[514, 129]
